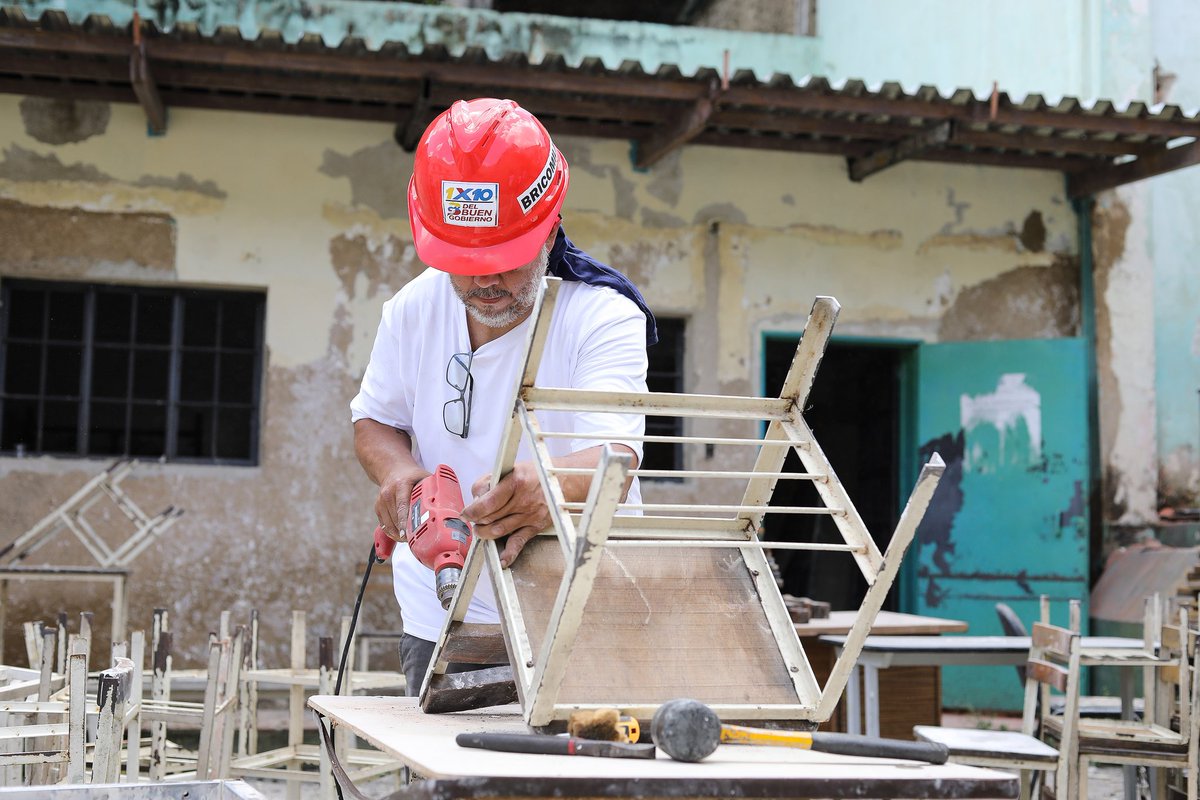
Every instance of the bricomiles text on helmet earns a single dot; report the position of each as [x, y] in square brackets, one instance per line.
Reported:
[537, 189]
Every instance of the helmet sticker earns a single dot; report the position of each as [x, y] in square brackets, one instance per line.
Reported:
[537, 190]
[471, 205]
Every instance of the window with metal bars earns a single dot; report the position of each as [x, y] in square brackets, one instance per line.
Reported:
[106, 370]
[665, 374]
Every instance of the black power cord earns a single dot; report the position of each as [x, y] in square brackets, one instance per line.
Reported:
[372, 560]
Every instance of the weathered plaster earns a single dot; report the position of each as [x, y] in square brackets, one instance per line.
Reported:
[370, 271]
[666, 263]
[1176, 207]
[56, 120]
[621, 199]
[1004, 242]
[658, 219]
[835, 236]
[85, 245]
[1033, 232]
[1125, 356]
[21, 165]
[1179, 478]
[277, 537]
[382, 269]
[376, 177]
[1024, 303]
[666, 179]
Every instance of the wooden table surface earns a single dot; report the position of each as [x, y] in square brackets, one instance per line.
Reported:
[886, 623]
[987, 650]
[425, 743]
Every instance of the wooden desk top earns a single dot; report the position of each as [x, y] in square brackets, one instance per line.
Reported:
[912, 651]
[425, 742]
[886, 622]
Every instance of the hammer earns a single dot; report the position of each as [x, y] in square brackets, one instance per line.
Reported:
[688, 730]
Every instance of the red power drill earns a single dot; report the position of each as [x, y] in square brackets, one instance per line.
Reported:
[437, 534]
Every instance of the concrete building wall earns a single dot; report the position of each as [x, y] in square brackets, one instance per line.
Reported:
[312, 212]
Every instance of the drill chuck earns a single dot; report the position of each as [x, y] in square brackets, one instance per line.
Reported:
[446, 581]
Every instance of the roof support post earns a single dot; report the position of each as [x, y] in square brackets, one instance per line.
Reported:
[408, 133]
[143, 83]
[674, 135]
[927, 139]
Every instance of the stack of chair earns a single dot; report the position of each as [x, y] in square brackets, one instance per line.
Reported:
[1053, 663]
[37, 750]
[45, 733]
[214, 716]
[1167, 734]
[293, 761]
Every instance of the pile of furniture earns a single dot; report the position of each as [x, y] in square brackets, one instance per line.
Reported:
[140, 720]
[1058, 736]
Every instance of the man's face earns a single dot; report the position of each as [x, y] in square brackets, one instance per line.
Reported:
[502, 300]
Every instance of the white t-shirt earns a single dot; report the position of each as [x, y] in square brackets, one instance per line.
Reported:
[597, 341]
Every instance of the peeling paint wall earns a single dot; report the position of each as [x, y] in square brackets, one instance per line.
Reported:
[1123, 251]
[312, 212]
[1176, 241]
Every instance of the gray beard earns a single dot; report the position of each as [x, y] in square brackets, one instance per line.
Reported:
[524, 298]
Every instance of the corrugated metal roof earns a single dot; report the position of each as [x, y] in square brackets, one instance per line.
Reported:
[315, 63]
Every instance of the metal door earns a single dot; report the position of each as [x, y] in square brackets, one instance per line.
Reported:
[1009, 521]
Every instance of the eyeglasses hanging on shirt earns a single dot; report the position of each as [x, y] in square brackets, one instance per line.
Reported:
[456, 413]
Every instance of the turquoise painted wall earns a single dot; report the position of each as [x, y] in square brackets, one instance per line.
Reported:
[1008, 522]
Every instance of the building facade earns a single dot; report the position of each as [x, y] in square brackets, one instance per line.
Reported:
[979, 305]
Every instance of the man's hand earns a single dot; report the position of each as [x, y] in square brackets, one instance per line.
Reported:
[516, 508]
[391, 506]
[386, 455]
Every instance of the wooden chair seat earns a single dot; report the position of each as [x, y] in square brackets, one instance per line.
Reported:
[1123, 732]
[1053, 663]
[1167, 734]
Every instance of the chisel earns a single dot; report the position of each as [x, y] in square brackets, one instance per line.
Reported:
[553, 745]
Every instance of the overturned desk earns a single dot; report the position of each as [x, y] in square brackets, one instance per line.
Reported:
[425, 743]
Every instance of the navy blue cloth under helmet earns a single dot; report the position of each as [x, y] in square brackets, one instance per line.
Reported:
[572, 264]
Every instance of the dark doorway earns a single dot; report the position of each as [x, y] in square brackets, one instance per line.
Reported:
[854, 413]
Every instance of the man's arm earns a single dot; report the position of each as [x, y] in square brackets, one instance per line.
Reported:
[516, 508]
[386, 455]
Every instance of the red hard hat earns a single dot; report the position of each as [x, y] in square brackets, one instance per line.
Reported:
[486, 188]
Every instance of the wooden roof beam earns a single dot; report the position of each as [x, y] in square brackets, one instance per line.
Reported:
[932, 137]
[805, 101]
[674, 134]
[1111, 176]
[165, 48]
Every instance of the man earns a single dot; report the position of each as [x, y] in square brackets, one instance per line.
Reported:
[484, 200]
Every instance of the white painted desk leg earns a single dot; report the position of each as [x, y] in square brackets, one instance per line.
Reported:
[871, 688]
[854, 701]
[118, 609]
[1129, 771]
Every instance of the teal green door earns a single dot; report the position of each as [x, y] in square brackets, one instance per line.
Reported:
[1008, 522]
